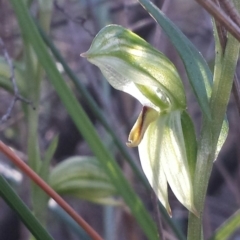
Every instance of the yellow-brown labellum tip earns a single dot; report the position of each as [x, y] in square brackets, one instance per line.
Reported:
[146, 116]
[131, 143]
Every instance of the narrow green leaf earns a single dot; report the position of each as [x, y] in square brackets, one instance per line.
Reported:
[44, 169]
[222, 87]
[197, 69]
[227, 228]
[23, 212]
[217, 74]
[82, 121]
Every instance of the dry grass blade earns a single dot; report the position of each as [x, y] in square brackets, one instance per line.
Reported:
[222, 33]
[221, 16]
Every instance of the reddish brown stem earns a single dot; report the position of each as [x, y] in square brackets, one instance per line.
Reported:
[220, 16]
[46, 188]
[229, 8]
[231, 11]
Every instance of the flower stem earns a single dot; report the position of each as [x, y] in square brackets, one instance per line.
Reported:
[221, 91]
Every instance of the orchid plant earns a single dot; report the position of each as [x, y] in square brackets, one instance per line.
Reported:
[170, 152]
[163, 132]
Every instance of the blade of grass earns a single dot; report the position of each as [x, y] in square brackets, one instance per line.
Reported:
[12, 199]
[227, 228]
[45, 166]
[82, 122]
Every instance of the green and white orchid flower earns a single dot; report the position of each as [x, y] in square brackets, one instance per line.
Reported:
[163, 132]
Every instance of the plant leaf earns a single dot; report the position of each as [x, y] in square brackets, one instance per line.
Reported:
[82, 177]
[45, 166]
[12, 199]
[227, 228]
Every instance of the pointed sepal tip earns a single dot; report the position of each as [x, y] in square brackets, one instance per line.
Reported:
[84, 55]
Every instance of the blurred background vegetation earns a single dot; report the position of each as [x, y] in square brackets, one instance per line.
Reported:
[72, 24]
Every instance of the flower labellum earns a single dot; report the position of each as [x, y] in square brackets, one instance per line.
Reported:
[163, 132]
[146, 116]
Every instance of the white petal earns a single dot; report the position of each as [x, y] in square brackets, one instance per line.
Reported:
[174, 161]
[119, 80]
[149, 150]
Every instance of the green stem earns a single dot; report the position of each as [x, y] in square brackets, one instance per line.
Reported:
[34, 76]
[33, 89]
[210, 133]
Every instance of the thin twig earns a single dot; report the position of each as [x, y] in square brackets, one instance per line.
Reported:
[230, 9]
[17, 96]
[221, 16]
[49, 191]
[11, 121]
[222, 33]
[140, 24]
[79, 20]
